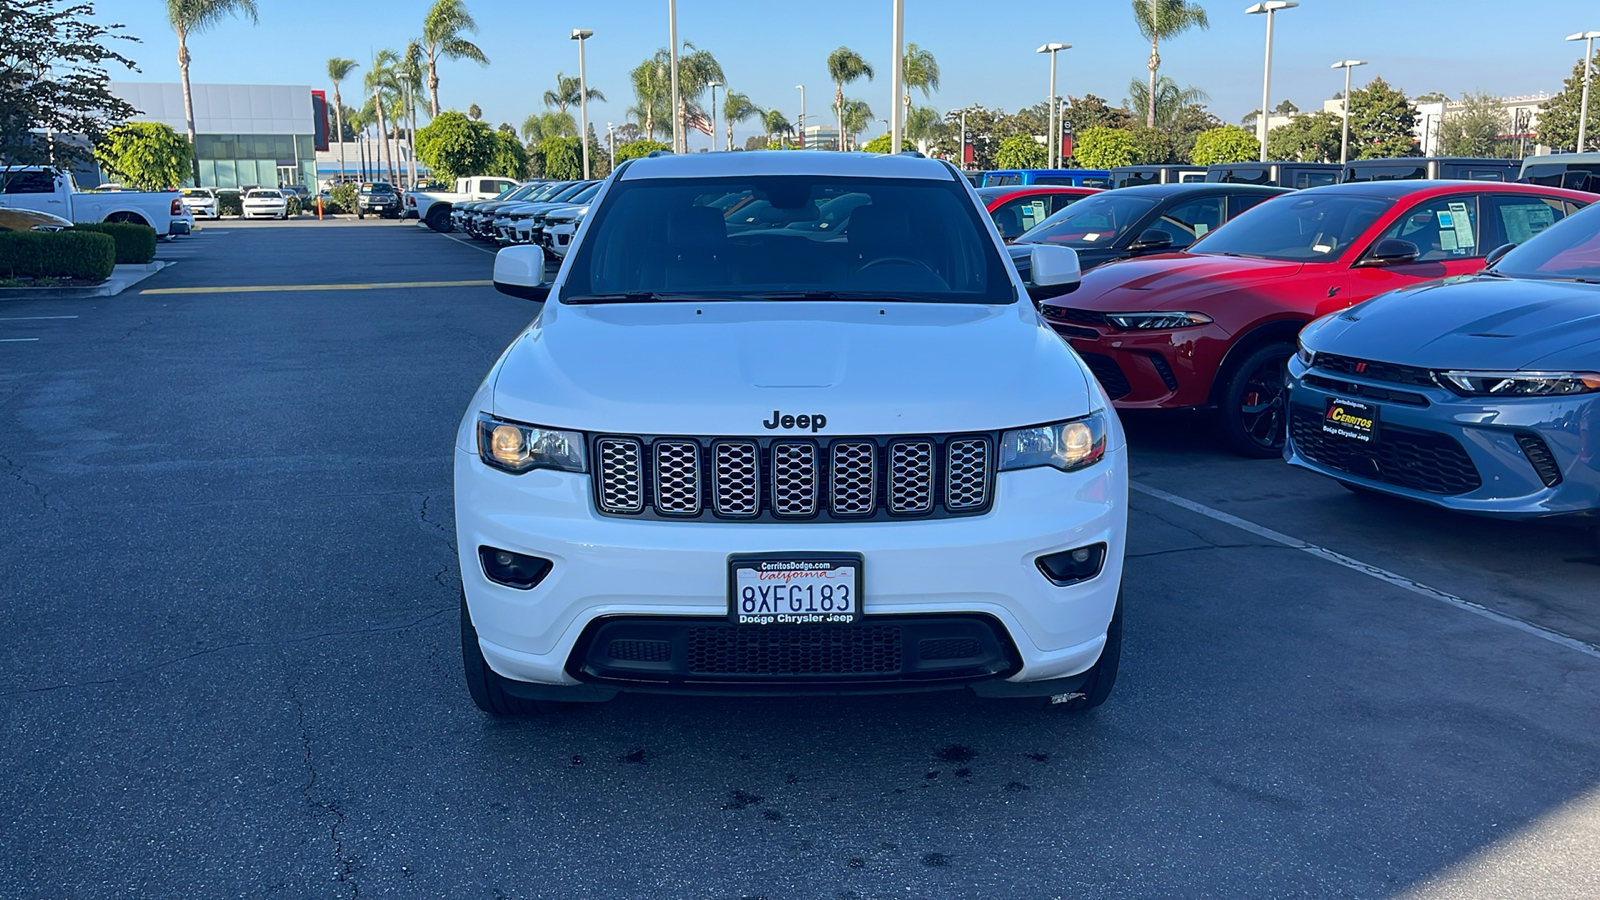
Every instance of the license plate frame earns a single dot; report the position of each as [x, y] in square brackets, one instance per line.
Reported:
[800, 609]
[1351, 420]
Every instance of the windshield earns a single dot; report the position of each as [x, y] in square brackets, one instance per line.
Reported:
[263, 195]
[376, 189]
[670, 238]
[1569, 249]
[1307, 227]
[570, 191]
[197, 192]
[1096, 221]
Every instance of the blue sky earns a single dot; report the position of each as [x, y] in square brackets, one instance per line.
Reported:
[985, 50]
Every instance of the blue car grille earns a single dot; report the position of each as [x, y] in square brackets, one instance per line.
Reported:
[1420, 460]
[1375, 371]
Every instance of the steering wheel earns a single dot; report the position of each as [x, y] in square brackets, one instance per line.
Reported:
[897, 260]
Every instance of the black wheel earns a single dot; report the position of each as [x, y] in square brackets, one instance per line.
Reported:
[361, 215]
[438, 220]
[487, 688]
[1252, 401]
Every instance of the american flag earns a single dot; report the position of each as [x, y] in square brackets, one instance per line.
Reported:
[697, 120]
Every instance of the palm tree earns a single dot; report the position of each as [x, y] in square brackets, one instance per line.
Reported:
[855, 116]
[570, 92]
[777, 125]
[548, 124]
[442, 31]
[193, 17]
[652, 86]
[737, 108]
[1161, 20]
[384, 85]
[339, 70]
[1169, 99]
[921, 71]
[845, 66]
[924, 125]
[412, 77]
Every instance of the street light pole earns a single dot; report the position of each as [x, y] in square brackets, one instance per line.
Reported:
[581, 35]
[899, 73]
[677, 111]
[611, 144]
[713, 85]
[1054, 126]
[1344, 138]
[1588, 64]
[1270, 8]
[800, 137]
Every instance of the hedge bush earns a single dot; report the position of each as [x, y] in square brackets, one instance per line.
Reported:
[72, 253]
[136, 244]
[230, 203]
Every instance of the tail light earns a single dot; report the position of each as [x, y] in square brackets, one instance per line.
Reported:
[177, 207]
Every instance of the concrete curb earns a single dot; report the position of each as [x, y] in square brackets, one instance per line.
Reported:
[122, 278]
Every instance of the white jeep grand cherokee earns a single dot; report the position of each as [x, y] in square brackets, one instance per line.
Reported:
[788, 455]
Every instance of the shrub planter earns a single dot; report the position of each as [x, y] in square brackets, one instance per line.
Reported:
[136, 244]
[72, 255]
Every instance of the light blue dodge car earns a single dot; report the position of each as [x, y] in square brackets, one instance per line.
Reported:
[1479, 394]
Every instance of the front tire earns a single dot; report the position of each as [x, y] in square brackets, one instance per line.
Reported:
[1253, 403]
[438, 220]
[361, 215]
[486, 687]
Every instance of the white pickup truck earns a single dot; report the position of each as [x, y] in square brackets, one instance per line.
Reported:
[45, 190]
[433, 207]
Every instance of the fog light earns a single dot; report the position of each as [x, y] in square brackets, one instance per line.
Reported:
[513, 569]
[1073, 566]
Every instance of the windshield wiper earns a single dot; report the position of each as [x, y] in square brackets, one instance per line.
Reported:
[637, 297]
[826, 296]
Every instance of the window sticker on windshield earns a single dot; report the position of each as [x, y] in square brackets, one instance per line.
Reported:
[1319, 248]
[1447, 240]
[1444, 220]
[1463, 225]
[1200, 229]
[1092, 236]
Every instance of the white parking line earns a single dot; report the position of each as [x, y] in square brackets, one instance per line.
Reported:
[32, 318]
[466, 242]
[16, 340]
[1400, 581]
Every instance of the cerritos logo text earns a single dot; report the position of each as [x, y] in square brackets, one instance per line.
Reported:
[1350, 419]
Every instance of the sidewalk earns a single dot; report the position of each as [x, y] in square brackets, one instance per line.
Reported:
[122, 278]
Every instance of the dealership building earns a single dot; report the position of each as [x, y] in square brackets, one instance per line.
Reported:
[245, 134]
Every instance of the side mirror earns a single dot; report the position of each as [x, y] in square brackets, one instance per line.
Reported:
[1390, 252]
[1498, 254]
[1052, 271]
[1153, 239]
[519, 271]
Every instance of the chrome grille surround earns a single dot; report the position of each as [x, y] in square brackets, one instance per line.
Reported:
[736, 478]
[794, 479]
[911, 477]
[677, 477]
[621, 476]
[966, 473]
[853, 480]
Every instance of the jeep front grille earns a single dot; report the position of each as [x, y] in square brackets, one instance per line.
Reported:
[793, 479]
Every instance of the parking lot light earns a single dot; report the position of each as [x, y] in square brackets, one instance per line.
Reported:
[1271, 8]
[1054, 126]
[1344, 138]
[1588, 63]
[581, 35]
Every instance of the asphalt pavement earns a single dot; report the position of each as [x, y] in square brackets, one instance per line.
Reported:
[229, 661]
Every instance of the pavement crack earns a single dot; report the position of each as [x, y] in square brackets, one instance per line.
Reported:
[446, 532]
[425, 619]
[346, 864]
[147, 322]
[1209, 547]
[17, 472]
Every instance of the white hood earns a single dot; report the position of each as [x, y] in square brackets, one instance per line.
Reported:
[723, 368]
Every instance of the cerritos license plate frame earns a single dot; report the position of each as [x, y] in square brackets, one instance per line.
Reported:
[776, 589]
[1354, 420]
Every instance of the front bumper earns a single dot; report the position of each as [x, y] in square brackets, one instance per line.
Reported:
[1171, 369]
[1473, 455]
[611, 569]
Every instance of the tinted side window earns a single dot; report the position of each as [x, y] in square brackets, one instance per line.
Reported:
[1519, 218]
[1016, 216]
[31, 183]
[1304, 180]
[1189, 221]
[1003, 180]
[1442, 229]
[1478, 174]
[1247, 176]
[1095, 181]
[1238, 203]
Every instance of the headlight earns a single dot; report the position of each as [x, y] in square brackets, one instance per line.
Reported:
[1154, 321]
[1521, 384]
[1065, 445]
[1308, 358]
[515, 447]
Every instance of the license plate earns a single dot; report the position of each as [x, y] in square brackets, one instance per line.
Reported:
[1351, 419]
[795, 589]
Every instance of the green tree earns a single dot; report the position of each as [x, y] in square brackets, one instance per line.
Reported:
[1558, 116]
[1161, 20]
[1021, 151]
[1313, 137]
[338, 70]
[570, 92]
[925, 126]
[1169, 101]
[54, 88]
[879, 144]
[563, 158]
[1188, 124]
[845, 66]
[1105, 148]
[1151, 146]
[146, 156]
[548, 124]
[736, 108]
[191, 17]
[777, 125]
[918, 71]
[638, 149]
[1081, 114]
[453, 146]
[1382, 122]
[652, 89]
[1227, 144]
[857, 116]
[509, 158]
[442, 36]
[474, 112]
[383, 83]
[1477, 128]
